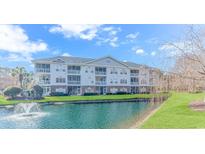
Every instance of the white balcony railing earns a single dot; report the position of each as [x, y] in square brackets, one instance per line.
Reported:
[100, 73]
[73, 82]
[44, 82]
[100, 83]
[134, 74]
[134, 83]
[42, 70]
[73, 71]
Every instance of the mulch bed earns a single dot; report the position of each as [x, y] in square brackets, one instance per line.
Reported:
[197, 106]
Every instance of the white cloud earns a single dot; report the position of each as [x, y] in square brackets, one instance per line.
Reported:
[130, 38]
[66, 54]
[108, 35]
[15, 41]
[112, 41]
[107, 28]
[101, 34]
[85, 32]
[139, 51]
[16, 57]
[132, 35]
[153, 53]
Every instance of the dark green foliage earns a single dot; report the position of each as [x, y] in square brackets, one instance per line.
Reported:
[12, 92]
[37, 92]
[90, 94]
[58, 94]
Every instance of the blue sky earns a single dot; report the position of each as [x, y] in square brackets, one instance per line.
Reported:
[19, 44]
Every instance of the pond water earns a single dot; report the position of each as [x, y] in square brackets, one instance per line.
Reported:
[78, 116]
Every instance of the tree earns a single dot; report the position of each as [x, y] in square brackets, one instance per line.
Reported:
[37, 91]
[192, 49]
[28, 80]
[25, 78]
[12, 92]
[188, 53]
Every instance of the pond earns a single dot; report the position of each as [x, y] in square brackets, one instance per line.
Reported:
[77, 115]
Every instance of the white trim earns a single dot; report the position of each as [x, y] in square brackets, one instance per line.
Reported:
[105, 58]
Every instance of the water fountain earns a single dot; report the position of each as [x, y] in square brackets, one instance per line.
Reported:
[27, 109]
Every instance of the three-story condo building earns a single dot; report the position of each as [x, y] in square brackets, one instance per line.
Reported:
[77, 76]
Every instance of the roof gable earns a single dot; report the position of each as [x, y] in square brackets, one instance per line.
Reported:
[107, 61]
[58, 60]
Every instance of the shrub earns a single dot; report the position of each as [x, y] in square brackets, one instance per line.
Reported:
[90, 94]
[110, 93]
[58, 94]
[37, 92]
[121, 92]
[12, 92]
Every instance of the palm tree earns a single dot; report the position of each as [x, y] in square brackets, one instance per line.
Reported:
[20, 73]
[28, 80]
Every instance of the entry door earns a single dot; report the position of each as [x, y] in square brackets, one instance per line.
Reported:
[102, 90]
[46, 91]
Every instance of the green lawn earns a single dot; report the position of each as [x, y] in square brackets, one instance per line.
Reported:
[75, 98]
[175, 113]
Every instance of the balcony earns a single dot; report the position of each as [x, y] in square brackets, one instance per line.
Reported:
[73, 82]
[134, 83]
[100, 73]
[43, 70]
[73, 71]
[134, 74]
[44, 82]
[100, 82]
[100, 70]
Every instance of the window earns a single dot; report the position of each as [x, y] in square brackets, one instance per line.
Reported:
[73, 69]
[143, 81]
[113, 71]
[44, 79]
[60, 80]
[134, 80]
[134, 72]
[123, 81]
[73, 79]
[77, 68]
[100, 70]
[100, 80]
[42, 68]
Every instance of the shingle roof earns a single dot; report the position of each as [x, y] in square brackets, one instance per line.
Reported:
[66, 59]
[132, 64]
[79, 60]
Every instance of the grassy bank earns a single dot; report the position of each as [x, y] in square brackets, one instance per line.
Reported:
[3, 101]
[175, 113]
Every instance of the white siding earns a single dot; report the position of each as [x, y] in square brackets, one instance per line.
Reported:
[57, 71]
[87, 75]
